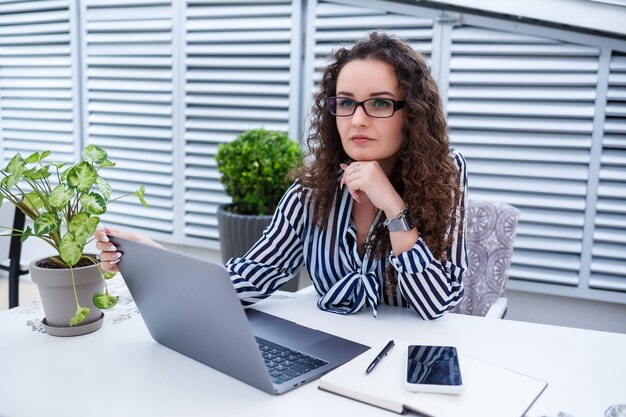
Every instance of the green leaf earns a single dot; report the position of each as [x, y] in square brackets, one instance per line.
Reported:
[16, 165]
[82, 176]
[71, 248]
[107, 163]
[33, 201]
[94, 153]
[77, 224]
[60, 196]
[79, 316]
[59, 165]
[30, 174]
[36, 173]
[26, 234]
[109, 275]
[91, 225]
[44, 155]
[139, 193]
[10, 181]
[105, 187]
[77, 221]
[46, 224]
[105, 301]
[82, 225]
[33, 158]
[43, 172]
[93, 203]
[65, 173]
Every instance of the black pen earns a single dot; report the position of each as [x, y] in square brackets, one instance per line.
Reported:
[378, 357]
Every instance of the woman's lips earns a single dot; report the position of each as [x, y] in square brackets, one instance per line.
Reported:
[360, 139]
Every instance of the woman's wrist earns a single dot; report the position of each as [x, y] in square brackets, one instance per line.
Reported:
[396, 205]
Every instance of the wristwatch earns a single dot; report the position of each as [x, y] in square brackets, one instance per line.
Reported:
[399, 222]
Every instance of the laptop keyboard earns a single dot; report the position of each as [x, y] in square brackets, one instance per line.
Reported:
[285, 364]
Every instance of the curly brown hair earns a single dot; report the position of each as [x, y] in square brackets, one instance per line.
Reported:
[424, 175]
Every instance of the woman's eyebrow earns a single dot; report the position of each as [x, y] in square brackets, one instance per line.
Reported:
[375, 94]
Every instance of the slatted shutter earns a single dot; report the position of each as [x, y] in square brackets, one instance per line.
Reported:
[343, 23]
[240, 74]
[521, 111]
[608, 266]
[128, 90]
[37, 80]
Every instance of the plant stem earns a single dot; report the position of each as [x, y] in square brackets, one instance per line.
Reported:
[74, 287]
[64, 265]
[95, 262]
[120, 197]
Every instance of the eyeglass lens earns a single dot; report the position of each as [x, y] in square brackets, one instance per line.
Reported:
[375, 107]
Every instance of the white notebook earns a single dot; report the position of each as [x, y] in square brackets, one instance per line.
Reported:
[489, 390]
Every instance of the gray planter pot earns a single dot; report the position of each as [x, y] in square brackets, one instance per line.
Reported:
[238, 232]
[57, 297]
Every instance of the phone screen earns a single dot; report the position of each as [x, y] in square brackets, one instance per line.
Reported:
[433, 365]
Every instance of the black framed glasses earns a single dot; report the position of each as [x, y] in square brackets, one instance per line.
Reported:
[374, 107]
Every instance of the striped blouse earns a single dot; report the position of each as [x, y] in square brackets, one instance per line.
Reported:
[346, 280]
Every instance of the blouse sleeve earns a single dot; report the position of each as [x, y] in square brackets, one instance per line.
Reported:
[276, 256]
[430, 286]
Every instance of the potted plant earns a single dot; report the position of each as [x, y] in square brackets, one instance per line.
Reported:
[65, 206]
[254, 169]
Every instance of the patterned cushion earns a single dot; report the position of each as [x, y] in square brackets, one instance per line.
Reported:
[490, 234]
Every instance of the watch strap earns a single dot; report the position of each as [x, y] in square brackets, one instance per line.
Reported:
[399, 222]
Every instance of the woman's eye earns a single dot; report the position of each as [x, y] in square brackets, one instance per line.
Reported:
[344, 102]
[380, 103]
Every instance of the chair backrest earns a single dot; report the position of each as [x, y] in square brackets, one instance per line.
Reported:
[11, 248]
[489, 237]
[7, 212]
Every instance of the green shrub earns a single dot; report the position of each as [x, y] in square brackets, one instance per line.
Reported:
[254, 169]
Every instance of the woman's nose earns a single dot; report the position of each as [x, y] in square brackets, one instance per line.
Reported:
[359, 117]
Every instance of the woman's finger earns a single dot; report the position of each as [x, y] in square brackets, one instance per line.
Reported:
[105, 246]
[110, 256]
[354, 190]
[101, 235]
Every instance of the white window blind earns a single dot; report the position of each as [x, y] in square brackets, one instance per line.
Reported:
[128, 89]
[239, 75]
[608, 266]
[340, 24]
[521, 111]
[37, 80]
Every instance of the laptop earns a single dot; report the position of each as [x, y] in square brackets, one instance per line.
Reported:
[191, 306]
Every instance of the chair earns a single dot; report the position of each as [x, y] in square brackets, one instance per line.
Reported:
[489, 237]
[11, 248]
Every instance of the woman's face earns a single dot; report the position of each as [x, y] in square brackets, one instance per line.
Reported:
[366, 138]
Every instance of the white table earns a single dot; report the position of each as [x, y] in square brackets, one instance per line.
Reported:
[120, 371]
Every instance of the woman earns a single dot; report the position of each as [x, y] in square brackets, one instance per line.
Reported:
[378, 215]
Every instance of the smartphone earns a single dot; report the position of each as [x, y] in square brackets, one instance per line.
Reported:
[433, 369]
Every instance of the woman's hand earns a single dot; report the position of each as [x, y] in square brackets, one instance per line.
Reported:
[109, 256]
[367, 178]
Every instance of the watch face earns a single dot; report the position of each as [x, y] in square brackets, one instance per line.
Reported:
[398, 225]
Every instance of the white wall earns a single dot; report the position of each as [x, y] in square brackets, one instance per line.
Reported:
[563, 311]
